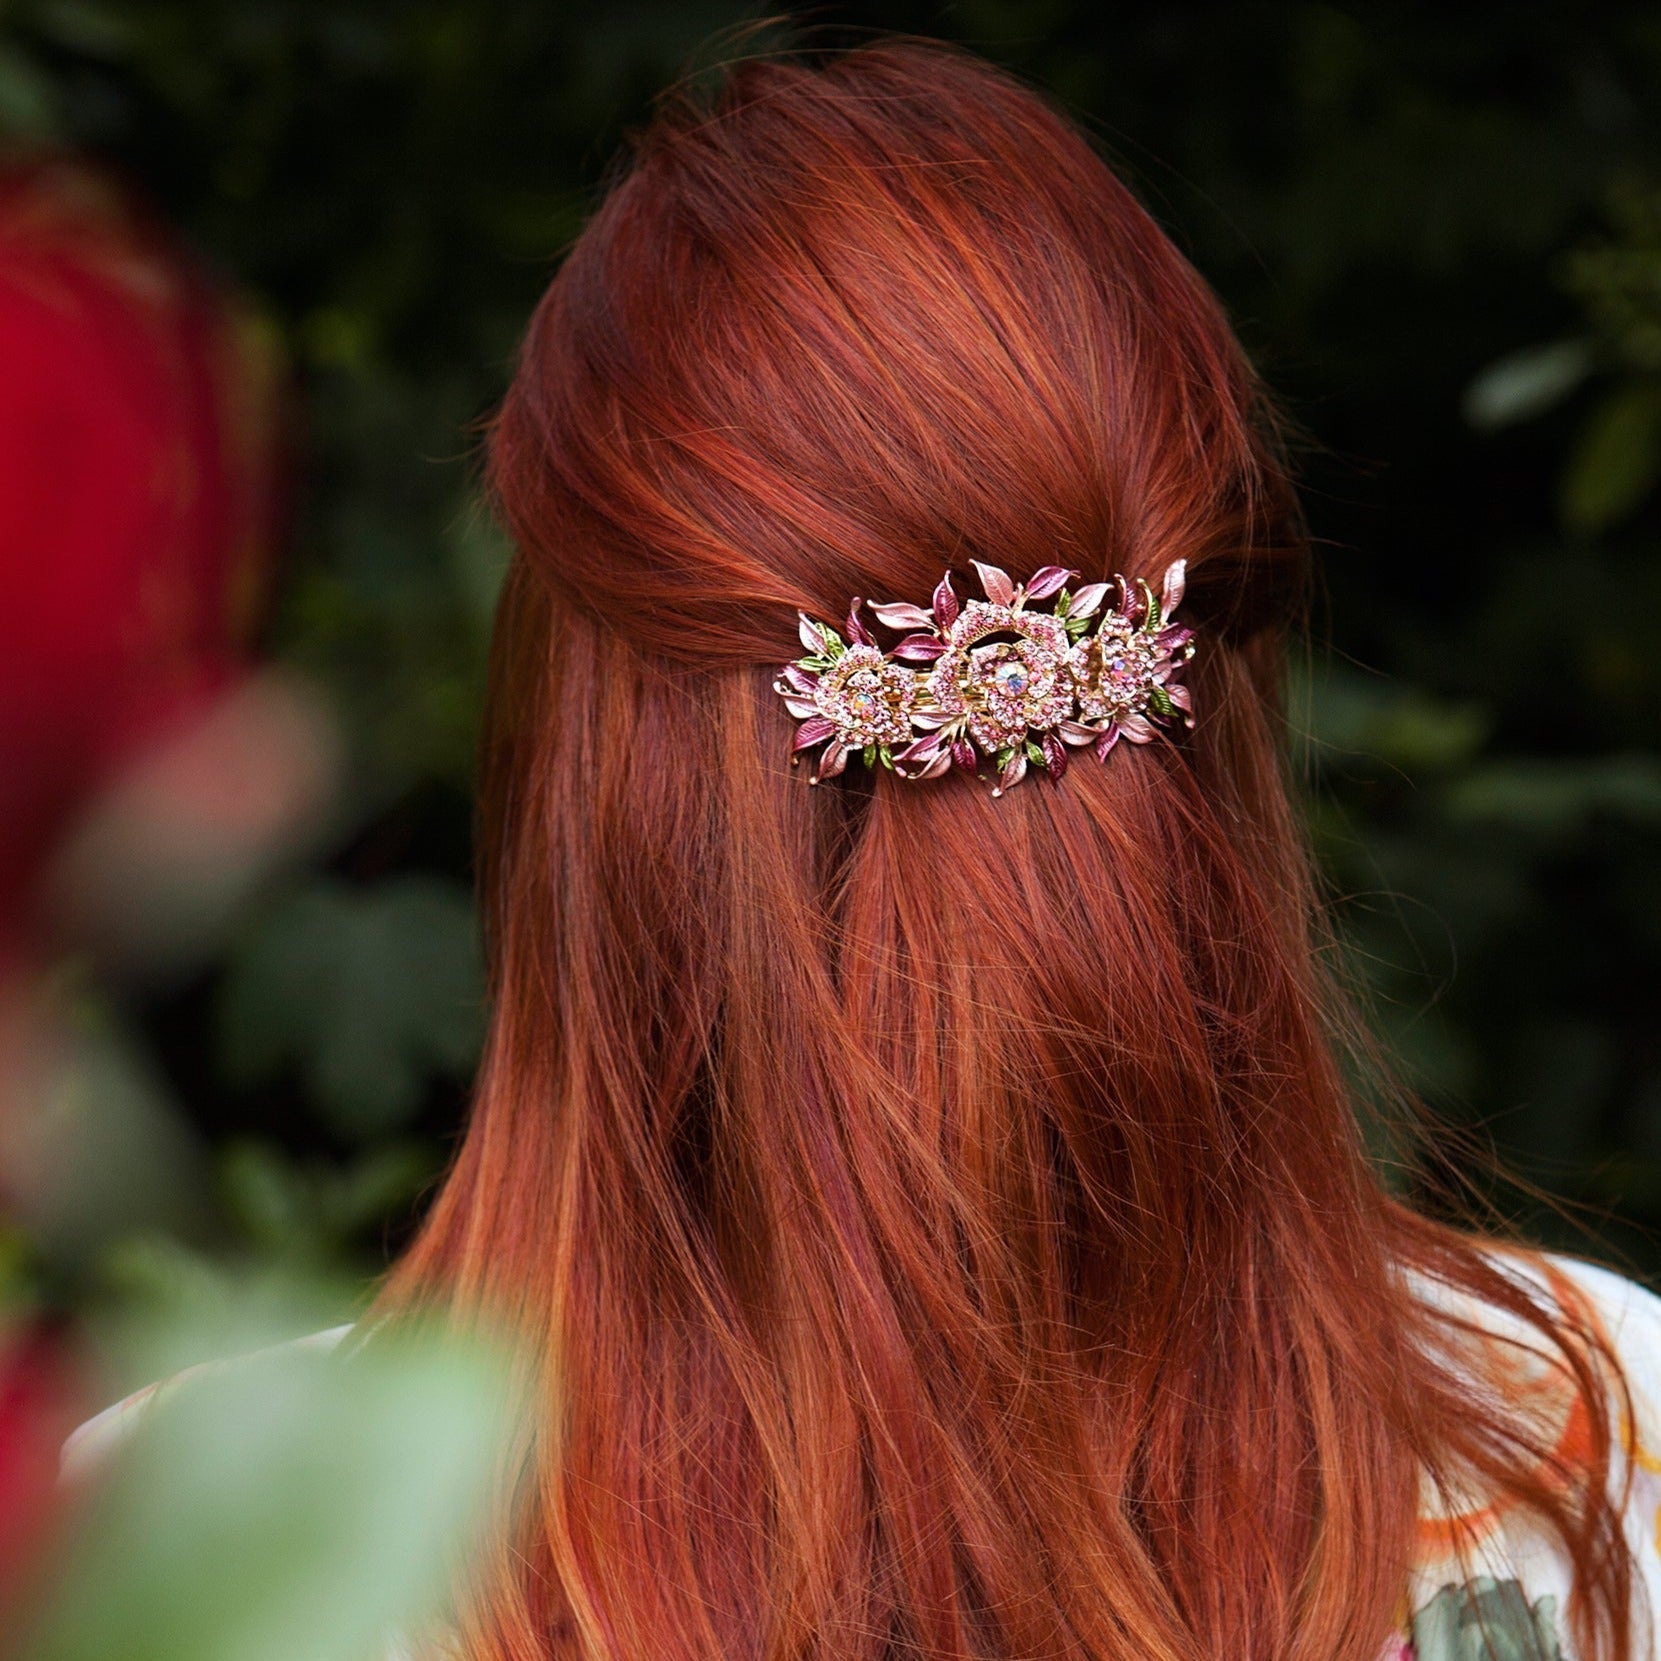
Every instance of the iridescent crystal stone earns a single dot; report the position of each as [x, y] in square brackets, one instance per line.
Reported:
[1012, 677]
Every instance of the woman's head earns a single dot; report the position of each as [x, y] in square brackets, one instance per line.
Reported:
[939, 1219]
[856, 322]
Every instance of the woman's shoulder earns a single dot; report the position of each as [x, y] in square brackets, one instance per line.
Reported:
[1620, 1310]
[1616, 1310]
[91, 1444]
[1630, 1311]
[1626, 1315]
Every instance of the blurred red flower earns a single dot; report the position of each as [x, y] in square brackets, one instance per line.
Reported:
[138, 487]
[37, 1409]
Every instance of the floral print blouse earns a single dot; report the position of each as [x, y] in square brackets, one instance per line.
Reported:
[1511, 1608]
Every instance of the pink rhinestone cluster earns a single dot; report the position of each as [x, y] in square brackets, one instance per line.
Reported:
[993, 684]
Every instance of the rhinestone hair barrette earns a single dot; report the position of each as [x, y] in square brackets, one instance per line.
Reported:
[993, 684]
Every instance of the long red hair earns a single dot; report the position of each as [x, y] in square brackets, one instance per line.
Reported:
[938, 1225]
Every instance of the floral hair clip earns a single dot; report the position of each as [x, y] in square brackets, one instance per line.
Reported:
[994, 680]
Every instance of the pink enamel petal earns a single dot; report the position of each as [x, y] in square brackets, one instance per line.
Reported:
[901, 614]
[1055, 754]
[919, 648]
[921, 751]
[1076, 732]
[1012, 773]
[804, 709]
[832, 762]
[1180, 695]
[1130, 598]
[941, 764]
[1138, 729]
[814, 731]
[797, 678]
[963, 754]
[1088, 600]
[1176, 584]
[1109, 737]
[945, 603]
[1047, 581]
[994, 580]
[1173, 640]
[928, 718]
[809, 634]
[857, 631]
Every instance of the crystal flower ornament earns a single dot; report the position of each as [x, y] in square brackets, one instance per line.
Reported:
[1002, 684]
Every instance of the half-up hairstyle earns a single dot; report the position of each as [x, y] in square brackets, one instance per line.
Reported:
[937, 1225]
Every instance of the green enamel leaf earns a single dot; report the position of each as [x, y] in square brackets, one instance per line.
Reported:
[870, 755]
[1035, 754]
[1160, 699]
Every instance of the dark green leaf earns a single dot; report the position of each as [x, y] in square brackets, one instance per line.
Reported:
[1616, 461]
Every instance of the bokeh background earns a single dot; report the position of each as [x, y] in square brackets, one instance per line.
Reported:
[1438, 230]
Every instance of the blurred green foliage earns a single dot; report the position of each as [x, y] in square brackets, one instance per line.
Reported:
[1439, 231]
[281, 1505]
